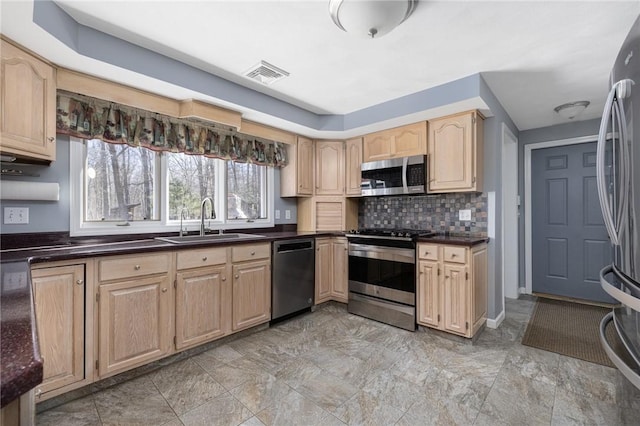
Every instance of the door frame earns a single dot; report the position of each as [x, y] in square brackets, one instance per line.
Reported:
[512, 239]
[528, 279]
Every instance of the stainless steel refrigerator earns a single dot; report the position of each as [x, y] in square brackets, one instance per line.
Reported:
[618, 175]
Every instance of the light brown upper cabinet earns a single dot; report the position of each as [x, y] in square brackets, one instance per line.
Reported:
[456, 153]
[28, 105]
[296, 179]
[398, 142]
[353, 161]
[330, 168]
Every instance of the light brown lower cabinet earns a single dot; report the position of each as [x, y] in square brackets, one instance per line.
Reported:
[452, 287]
[331, 269]
[203, 296]
[135, 313]
[59, 296]
[251, 285]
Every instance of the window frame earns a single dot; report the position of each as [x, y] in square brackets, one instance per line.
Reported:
[79, 227]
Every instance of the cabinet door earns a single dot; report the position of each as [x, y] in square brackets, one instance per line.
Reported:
[305, 166]
[251, 294]
[455, 299]
[135, 323]
[329, 168]
[203, 306]
[339, 285]
[409, 140]
[428, 297]
[59, 307]
[324, 269]
[376, 146]
[451, 153]
[27, 102]
[353, 161]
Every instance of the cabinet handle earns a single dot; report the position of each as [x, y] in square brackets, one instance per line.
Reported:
[236, 276]
[453, 255]
[51, 139]
[446, 276]
[79, 282]
[164, 290]
[137, 267]
[204, 258]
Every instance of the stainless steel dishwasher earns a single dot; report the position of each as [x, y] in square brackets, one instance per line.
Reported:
[293, 277]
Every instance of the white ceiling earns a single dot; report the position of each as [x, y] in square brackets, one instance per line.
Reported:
[533, 55]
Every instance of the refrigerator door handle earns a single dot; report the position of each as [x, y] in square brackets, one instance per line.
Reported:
[622, 88]
[622, 297]
[617, 361]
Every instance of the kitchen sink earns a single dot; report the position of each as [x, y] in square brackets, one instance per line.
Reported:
[194, 239]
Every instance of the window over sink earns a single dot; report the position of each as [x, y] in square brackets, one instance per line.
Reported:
[121, 189]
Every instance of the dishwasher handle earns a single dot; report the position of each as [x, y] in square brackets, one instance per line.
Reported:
[292, 245]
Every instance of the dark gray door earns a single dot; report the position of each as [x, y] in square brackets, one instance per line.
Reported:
[569, 240]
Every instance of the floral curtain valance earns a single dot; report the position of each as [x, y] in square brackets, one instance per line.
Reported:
[90, 118]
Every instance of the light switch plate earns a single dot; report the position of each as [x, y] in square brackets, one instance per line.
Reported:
[277, 214]
[287, 214]
[14, 281]
[16, 215]
[464, 215]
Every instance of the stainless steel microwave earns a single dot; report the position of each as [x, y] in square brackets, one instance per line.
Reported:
[396, 176]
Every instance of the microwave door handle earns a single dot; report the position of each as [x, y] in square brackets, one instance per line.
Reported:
[600, 167]
[405, 170]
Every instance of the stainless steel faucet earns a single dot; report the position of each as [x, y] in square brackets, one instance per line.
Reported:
[202, 211]
[182, 230]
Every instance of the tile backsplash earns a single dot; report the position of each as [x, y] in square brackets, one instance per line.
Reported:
[429, 212]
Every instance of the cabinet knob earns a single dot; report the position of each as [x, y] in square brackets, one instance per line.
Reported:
[236, 276]
[253, 253]
[446, 276]
[204, 258]
[79, 282]
[38, 392]
[51, 139]
[164, 290]
[453, 255]
[137, 267]
[224, 278]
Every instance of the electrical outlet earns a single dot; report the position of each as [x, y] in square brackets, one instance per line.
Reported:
[465, 215]
[16, 215]
[287, 214]
[277, 214]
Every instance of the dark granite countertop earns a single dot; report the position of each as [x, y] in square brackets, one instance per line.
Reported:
[455, 239]
[19, 351]
[20, 355]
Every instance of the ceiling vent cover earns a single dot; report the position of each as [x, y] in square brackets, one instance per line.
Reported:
[266, 73]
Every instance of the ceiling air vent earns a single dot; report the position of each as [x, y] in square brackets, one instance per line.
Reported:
[266, 73]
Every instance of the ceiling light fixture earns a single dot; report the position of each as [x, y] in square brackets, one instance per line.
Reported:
[572, 109]
[370, 18]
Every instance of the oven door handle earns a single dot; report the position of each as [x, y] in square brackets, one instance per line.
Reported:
[392, 254]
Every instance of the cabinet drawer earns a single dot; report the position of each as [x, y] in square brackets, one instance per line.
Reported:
[202, 257]
[250, 252]
[455, 254]
[428, 251]
[136, 266]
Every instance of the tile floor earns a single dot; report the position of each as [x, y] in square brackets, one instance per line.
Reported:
[333, 368]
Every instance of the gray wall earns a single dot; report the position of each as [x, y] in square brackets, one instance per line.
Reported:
[544, 134]
[493, 183]
[44, 216]
[53, 216]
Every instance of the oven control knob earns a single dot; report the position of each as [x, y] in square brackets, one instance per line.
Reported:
[393, 233]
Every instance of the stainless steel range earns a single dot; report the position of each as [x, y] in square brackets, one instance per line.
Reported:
[382, 275]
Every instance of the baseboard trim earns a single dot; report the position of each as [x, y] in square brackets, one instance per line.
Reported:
[495, 323]
[522, 290]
